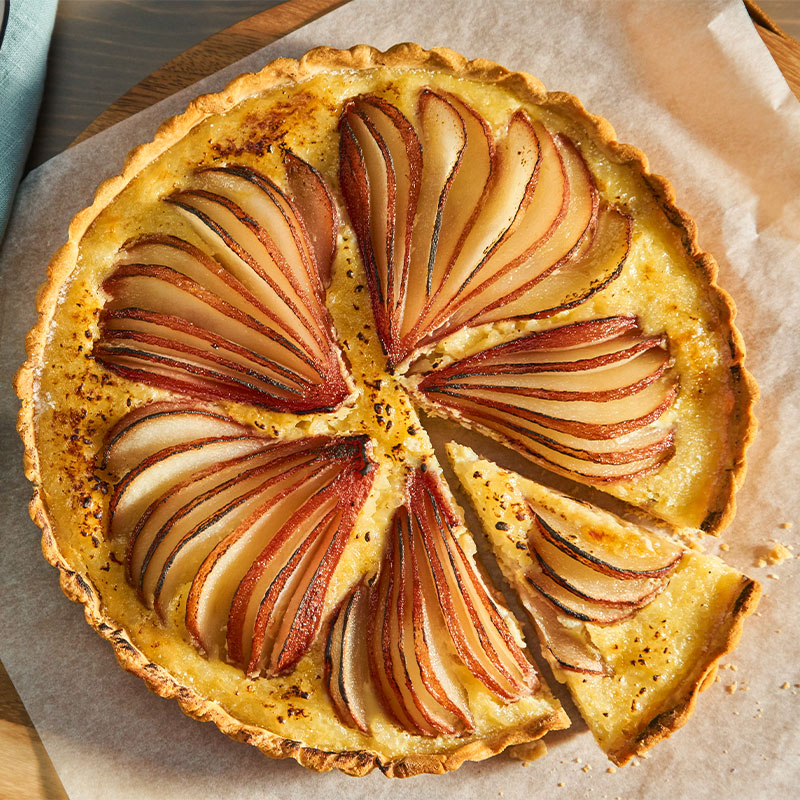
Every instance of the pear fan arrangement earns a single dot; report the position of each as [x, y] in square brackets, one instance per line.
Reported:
[427, 608]
[456, 229]
[256, 526]
[585, 399]
[574, 576]
[246, 324]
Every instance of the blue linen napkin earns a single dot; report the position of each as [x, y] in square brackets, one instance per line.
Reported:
[25, 30]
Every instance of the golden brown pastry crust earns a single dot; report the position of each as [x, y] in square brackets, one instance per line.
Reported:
[280, 71]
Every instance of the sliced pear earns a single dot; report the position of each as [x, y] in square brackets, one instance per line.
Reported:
[255, 526]
[206, 501]
[585, 399]
[261, 591]
[241, 243]
[597, 263]
[436, 204]
[249, 325]
[551, 229]
[345, 660]
[585, 581]
[154, 426]
[143, 340]
[481, 637]
[143, 484]
[411, 690]
[317, 213]
[380, 171]
[569, 604]
[444, 139]
[429, 609]
[622, 557]
[565, 645]
[466, 197]
[514, 180]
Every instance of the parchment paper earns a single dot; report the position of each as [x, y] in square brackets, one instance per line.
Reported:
[693, 86]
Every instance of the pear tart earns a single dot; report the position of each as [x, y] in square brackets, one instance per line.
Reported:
[220, 411]
[633, 623]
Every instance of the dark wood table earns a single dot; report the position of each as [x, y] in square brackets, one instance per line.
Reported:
[102, 48]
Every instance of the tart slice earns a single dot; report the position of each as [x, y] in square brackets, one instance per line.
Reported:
[633, 623]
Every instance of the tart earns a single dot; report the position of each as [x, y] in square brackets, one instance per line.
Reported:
[633, 623]
[220, 404]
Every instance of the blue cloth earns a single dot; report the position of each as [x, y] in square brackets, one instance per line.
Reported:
[25, 32]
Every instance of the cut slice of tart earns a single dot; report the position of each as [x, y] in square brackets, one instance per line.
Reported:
[633, 623]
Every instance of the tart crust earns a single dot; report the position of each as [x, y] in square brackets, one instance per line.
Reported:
[79, 588]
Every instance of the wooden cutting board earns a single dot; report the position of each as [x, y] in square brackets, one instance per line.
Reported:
[25, 769]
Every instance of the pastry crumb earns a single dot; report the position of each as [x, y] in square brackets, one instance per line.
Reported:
[776, 554]
[586, 767]
[561, 783]
[528, 751]
[724, 547]
[732, 687]
[611, 770]
[786, 525]
[773, 576]
[785, 685]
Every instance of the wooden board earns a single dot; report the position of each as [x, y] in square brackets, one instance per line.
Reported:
[25, 769]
